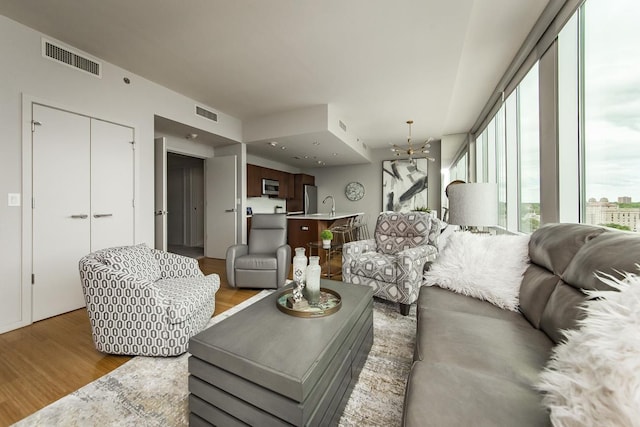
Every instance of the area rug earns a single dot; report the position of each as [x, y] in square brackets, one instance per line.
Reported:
[152, 391]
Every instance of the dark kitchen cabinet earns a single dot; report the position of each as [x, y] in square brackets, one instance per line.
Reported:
[254, 181]
[255, 175]
[296, 202]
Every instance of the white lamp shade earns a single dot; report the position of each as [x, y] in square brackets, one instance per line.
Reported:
[473, 204]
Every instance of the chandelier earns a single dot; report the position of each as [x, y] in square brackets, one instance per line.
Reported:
[412, 151]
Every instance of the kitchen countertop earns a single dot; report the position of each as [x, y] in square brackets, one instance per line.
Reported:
[288, 213]
[325, 216]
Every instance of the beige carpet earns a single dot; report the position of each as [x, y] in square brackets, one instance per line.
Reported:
[150, 391]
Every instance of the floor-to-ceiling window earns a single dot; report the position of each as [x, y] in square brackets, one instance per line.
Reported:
[508, 153]
[599, 73]
[574, 114]
[459, 169]
[481, 155]
[491, 161]
[612, 113]
[501, 167]
[528, 133]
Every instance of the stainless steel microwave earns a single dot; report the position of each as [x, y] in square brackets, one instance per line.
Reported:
[270, 187]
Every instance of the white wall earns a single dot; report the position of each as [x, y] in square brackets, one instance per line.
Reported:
[27, 75]
[333, 180]
[295, 122]
[186, 147]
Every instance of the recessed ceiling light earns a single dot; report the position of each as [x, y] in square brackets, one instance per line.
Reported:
[272, 143]
[319, 162]
[192, 136]
[316, 143]
[283, 148]
[306, 157]
[334, 154]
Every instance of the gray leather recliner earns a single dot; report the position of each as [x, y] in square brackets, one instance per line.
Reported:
[265, 261]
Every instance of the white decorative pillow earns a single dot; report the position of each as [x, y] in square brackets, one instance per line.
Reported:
[593, 378]
[447, 231]
[486, 267]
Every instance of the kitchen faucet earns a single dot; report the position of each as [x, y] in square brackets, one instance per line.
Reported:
[333, 204]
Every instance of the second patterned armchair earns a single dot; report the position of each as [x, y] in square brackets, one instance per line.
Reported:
[393, 261]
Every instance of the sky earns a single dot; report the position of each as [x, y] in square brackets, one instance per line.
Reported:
[612, 99]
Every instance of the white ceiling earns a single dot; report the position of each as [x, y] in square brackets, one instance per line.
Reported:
[378, 63]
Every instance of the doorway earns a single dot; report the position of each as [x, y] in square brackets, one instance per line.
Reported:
[185, 205]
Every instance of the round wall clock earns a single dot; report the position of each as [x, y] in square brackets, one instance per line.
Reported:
[354, 191]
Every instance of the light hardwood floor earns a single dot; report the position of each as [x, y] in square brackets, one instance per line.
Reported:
[51, 358]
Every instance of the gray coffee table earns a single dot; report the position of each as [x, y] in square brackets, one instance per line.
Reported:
[263, 367]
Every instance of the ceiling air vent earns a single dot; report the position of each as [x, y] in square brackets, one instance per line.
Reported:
[206, 114]
[73, 59]
[342, 125]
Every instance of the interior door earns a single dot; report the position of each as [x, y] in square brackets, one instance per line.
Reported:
[175, 207]
[160, 209]
[112, 185]
[61, 209]
[197, 207]
[220, 205]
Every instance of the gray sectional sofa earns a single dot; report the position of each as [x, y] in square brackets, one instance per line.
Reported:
[476, 364]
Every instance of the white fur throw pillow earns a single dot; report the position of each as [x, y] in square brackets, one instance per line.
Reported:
[486, 267]
[593, 378]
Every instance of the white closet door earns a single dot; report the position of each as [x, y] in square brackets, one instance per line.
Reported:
[220, 199]
[61, 210]
[112, 211]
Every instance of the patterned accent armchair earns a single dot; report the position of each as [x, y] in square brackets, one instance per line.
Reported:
[142, 301]
[393, 262]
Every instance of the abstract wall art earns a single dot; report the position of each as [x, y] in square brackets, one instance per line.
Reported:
[404, 185]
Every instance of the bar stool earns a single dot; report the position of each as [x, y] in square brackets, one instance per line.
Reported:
[342, 230]
[360, 227]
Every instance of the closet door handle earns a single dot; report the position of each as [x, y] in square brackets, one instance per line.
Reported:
[102, 215]
[82, 216]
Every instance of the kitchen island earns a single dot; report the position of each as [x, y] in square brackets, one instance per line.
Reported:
[323, 216]
[302, 229]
